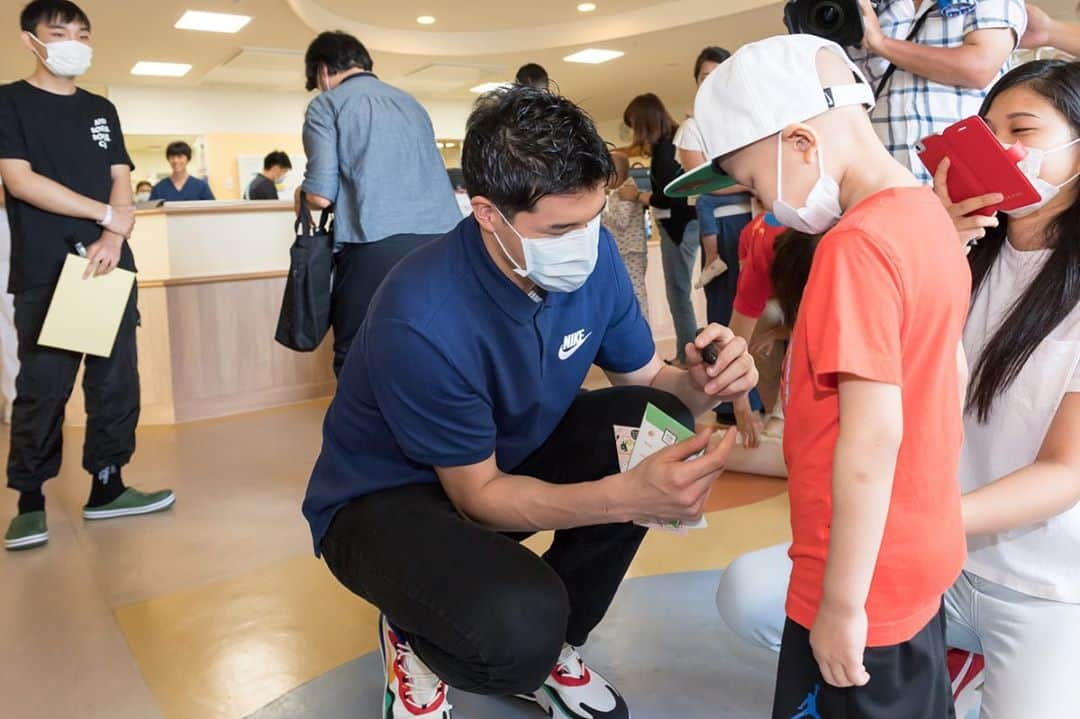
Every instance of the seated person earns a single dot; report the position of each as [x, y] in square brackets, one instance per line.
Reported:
[143, 190]
[458, 429]
[180, 186]
[264, 185]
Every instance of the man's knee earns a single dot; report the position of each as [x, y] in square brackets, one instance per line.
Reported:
[750, 597]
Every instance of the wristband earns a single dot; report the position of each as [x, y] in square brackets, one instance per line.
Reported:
[107, 220]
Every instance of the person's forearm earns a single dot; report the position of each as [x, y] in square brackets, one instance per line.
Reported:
[1065, 36]
[965, 66]
[516, 503]
[862, 486]
[742, 325]
[1028, 496]
[51, 196]
[677, 382]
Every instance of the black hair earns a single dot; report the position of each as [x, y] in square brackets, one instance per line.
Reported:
[339, 51]
[51, 11]
[178, 148]
[709, 54]
[140, 183]
[523, 144]
[1055, 291]
[649, 121]
[533, 75]
[790, 271]
[277, 158]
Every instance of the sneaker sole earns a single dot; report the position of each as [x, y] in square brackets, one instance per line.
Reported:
[158, 506]
[28, 542]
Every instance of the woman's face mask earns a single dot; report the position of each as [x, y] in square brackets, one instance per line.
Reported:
[142, 196]
[557, 264]
[1031, 166]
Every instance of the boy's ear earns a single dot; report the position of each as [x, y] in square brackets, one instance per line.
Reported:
[804, 138]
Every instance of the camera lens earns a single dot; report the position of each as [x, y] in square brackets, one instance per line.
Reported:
[825, 17]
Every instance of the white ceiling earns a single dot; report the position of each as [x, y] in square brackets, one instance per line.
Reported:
[473, 41]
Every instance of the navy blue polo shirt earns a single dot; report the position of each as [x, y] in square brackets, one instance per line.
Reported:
[455, 362]
[193, 189]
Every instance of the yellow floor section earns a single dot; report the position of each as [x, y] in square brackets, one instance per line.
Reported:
[225, 649]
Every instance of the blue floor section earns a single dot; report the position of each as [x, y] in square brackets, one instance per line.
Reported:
[662, 644]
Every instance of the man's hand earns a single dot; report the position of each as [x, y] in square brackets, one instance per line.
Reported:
[969, 227]
[732, 375]
[669, 486]
[838, 640]
[104, 255]
[1039, 25]
[872, 34]
[123, 220]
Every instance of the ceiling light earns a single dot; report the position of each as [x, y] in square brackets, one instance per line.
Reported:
[425, 20]
[160, 69]
[593, 56]
[211, 21]
[586, 7]
[440, 145]
[488, 87]
[448, 145]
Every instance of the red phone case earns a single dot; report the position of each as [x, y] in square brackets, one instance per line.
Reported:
[979, 165]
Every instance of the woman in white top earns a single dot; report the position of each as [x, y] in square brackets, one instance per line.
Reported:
[1018, 599]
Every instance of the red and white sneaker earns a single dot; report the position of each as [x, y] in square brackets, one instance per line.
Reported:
[412, 690]
[573, 691]
[967, 671]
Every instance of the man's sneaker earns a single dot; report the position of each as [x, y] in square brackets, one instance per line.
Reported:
[573, 691]
[711, 271]
[26, 531]
[412, 690]
[967, 672]
[131, 502]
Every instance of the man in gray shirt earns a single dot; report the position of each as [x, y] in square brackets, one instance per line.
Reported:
[372, 156]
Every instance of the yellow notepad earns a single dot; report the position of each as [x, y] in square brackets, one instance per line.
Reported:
[84, 315]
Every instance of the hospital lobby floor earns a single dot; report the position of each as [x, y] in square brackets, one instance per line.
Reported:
[218, 610]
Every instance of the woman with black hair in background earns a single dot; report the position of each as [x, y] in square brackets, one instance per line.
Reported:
[654, 134]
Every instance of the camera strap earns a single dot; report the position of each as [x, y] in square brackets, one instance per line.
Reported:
[919, 22]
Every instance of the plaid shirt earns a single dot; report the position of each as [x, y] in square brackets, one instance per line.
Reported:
[913, 107]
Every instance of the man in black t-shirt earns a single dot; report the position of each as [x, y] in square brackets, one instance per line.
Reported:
[264, 187]
[68, 180]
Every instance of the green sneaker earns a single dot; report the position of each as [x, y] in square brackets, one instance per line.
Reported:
[130, 503]
[26, 531]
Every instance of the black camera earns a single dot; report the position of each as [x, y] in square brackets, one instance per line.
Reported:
[837, 20]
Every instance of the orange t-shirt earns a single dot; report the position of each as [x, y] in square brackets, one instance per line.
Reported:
[886, 301]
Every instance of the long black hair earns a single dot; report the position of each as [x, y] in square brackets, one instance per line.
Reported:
[1054, 293]
[790, 271]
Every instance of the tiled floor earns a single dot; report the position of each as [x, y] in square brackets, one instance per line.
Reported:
[217, 608]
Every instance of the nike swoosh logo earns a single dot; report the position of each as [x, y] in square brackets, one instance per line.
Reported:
[565, 354]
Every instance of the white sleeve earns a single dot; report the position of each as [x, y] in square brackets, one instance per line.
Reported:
[688, 136]
[1074, 385]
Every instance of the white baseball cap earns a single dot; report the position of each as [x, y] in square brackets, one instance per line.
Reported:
[757, 92]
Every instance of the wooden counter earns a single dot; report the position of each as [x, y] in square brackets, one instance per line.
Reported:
[210, 280]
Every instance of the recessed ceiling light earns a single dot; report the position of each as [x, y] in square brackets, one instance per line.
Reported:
[211, 21]
[440, 145]
[488, 87]
[586, 7]
[593, 56]
[160, 69]
[425, 20]
[448, 145]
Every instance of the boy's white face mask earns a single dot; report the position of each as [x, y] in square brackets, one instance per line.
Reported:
[822, 209]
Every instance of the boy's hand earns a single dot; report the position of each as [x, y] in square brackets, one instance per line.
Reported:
[104, 255]
[747, 422]
[838, 640]
[872, 35]
[123, 220]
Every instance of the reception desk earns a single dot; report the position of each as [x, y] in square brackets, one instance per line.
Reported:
[210, 280]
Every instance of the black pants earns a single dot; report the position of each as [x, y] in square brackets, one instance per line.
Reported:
[359, 269]
[46, 378]
[484, 613]
[907, 681]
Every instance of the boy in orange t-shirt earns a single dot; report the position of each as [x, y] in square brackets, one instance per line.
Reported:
[874, 382]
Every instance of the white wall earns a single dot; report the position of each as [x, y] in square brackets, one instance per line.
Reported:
[155, 111]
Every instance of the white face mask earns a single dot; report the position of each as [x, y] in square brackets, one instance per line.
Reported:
[1031, 166]
[557, 264]
[142, 196]
[66, 58]
[822, 209]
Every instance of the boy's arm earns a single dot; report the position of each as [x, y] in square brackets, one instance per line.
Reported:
[22, 182]
[871, 429]
[104, 255]
[972, 65]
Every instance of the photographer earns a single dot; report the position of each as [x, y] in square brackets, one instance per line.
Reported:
[946, 55]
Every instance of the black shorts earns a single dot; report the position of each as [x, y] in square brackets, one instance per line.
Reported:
[907, 681]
